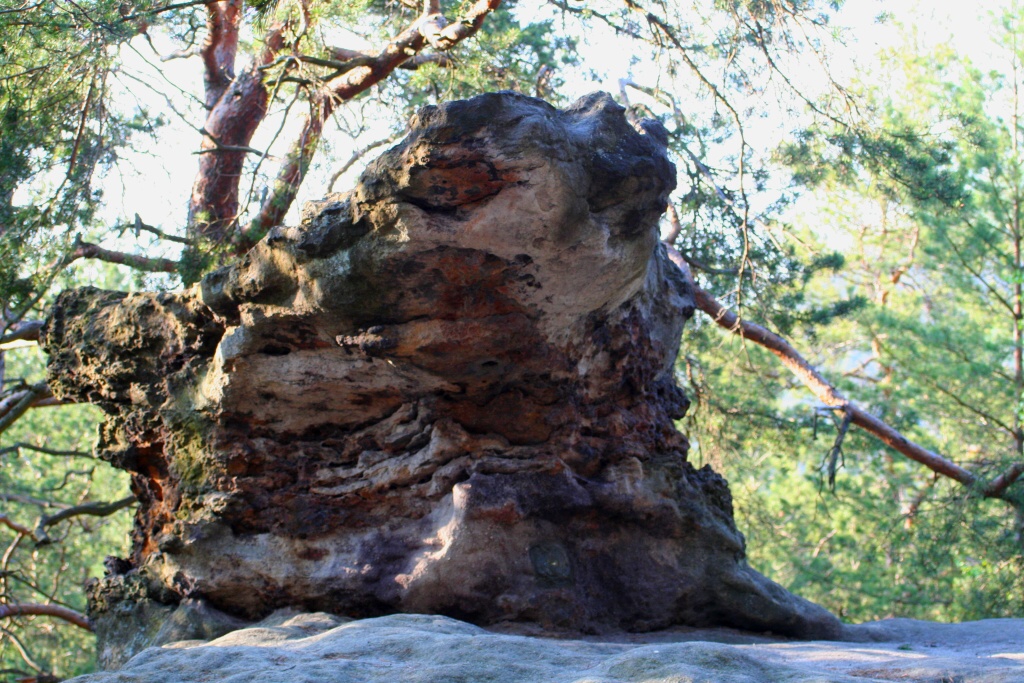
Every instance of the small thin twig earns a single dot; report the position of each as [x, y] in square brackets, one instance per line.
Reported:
[46, 451]
[836, 452]
[356, 156]
[22, 650]
[138, 227]
[218, 146]
[29, 500]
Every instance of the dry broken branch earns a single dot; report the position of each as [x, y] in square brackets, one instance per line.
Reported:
[138, 227]
[46, 451]
[146, 263]
[836, 451]
[92, 509]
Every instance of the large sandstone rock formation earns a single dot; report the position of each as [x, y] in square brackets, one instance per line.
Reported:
[448, 391]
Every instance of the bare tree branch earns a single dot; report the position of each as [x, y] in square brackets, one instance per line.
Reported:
[35, 609]
[344, 57]
[182, 54]
[29, 500]
[676, 228]
[913, 507]
[670, 238]
[25, 656]
[27, 330]
[998, 485]
[146, 263]
[165, 8]
[542, 86]
[14, 526]
[46, 451]
[356, 156]
[21, 402]
[91, 509]
[837, 448]
[138, 227]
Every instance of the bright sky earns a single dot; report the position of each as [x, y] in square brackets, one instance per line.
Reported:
[156, 177]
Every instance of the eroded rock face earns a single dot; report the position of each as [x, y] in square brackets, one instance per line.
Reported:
[448, 391]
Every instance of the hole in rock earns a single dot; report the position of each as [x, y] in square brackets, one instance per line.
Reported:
[275, 350]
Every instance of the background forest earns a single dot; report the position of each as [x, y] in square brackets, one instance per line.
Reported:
[860, 198]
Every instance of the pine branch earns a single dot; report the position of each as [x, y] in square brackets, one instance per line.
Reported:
[29, 500]
[998, 485]
[833, 398]
[220, 47]
[34, 609]
[15, 526]
[235, 112]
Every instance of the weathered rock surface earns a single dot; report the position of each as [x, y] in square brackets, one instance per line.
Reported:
[290, 648]
[448, 391]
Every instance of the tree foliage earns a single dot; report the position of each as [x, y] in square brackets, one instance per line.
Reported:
[926, 203]
[883, 237]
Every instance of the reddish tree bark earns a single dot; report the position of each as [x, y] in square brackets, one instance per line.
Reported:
[220, 48]
[237, 105]
[28, 609]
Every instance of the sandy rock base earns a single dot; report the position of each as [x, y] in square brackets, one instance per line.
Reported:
[320, 648]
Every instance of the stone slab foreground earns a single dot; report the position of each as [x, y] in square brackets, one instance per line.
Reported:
[295, 648]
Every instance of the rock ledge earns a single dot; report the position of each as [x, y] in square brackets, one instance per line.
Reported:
[296, 648]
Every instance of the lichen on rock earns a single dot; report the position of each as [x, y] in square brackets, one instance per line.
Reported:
[447, 391]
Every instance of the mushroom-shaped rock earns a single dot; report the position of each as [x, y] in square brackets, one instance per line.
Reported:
[449, 391]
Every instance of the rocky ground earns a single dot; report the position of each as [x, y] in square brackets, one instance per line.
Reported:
[319, 648]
